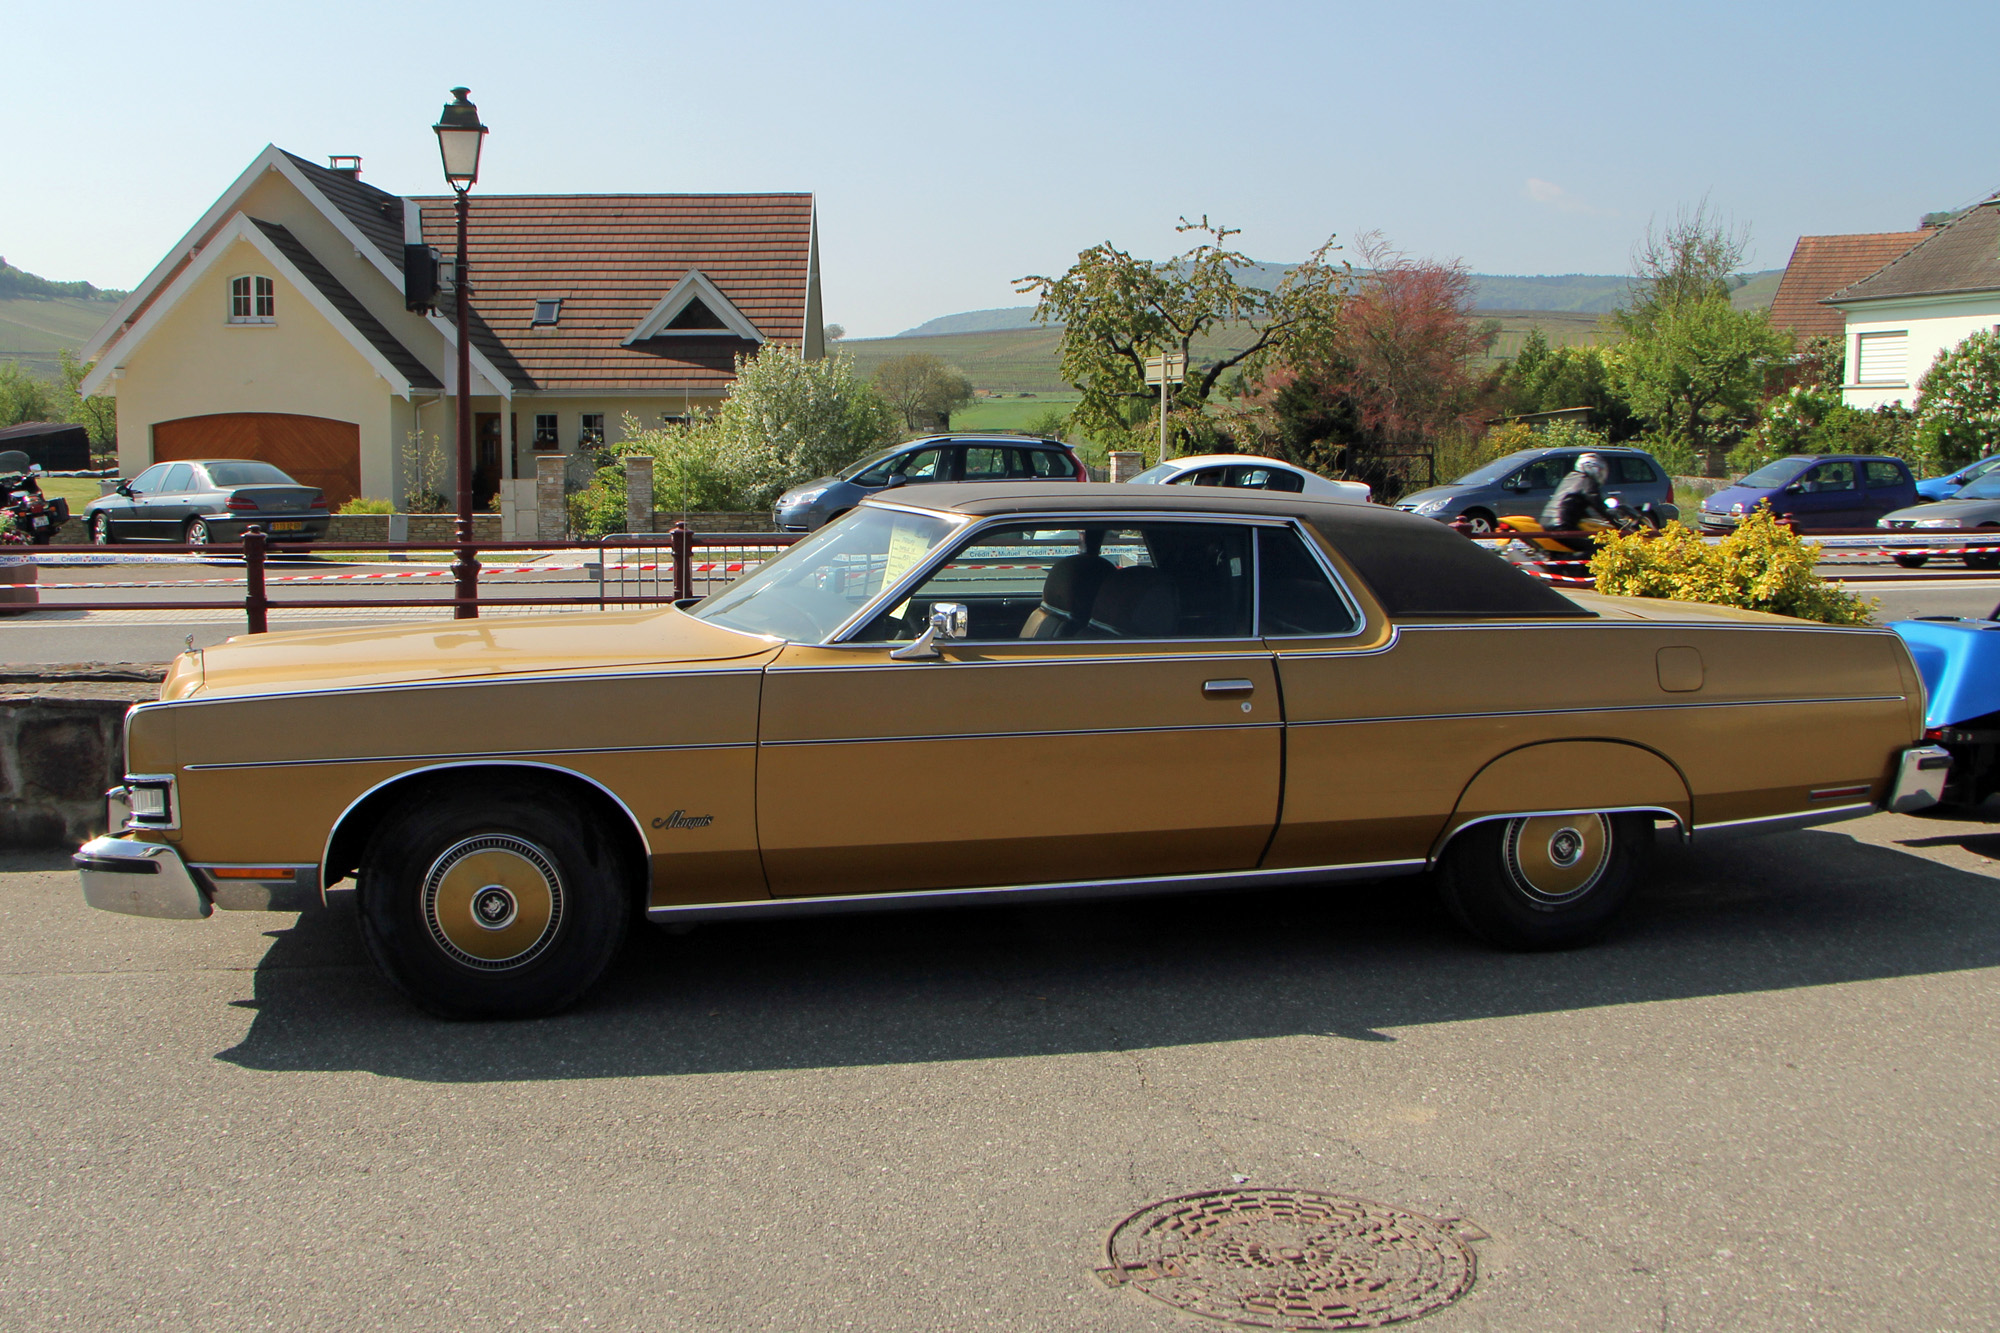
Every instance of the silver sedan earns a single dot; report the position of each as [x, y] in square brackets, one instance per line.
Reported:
[1975, 509]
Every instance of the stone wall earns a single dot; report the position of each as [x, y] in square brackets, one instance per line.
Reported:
[62, 743]
[756, 521]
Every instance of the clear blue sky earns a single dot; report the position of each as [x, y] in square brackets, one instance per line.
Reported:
[956, 147]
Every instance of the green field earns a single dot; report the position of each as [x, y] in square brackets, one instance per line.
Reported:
[1012, 412]
[32, 331]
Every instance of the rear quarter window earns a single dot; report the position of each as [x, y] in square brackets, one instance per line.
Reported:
[1420, 568]
[1887, 475]
[1635, 471]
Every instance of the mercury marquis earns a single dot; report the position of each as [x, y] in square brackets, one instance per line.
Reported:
[1163, 688]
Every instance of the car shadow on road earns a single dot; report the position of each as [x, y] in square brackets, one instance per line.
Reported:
[1353, 961]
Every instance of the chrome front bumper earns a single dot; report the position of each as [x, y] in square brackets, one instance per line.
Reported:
[151, 879]
[139, 879]
[1920, 775]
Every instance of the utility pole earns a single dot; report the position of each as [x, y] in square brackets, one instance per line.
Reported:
[1164, 370]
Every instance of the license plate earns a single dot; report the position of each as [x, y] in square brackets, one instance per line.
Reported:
[288, 527]
[42, 520]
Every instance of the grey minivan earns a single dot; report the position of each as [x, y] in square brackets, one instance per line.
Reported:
[1524, 481]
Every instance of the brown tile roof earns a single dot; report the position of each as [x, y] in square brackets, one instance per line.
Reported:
[1821, 266]
[610, 258]
[1961, 256]
[355, 313]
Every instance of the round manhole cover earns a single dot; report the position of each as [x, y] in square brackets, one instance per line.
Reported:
[1289, 1259]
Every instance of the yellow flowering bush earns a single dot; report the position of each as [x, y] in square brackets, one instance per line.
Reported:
[1762, 566]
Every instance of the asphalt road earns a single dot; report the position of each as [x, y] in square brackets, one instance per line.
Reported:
[1767, 1101]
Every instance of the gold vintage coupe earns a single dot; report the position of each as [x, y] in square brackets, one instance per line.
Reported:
[1152, 688]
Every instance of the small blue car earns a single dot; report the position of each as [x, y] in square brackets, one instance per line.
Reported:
[1943, 488]
[1816, 492]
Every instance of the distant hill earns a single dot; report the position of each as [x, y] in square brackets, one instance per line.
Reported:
[38, 318]
[1569, 293]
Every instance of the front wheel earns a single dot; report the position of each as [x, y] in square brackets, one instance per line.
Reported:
[507, 902]
[1477, 522]
[100, 529]
[1543, 881]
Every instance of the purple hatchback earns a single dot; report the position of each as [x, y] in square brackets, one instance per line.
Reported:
[1816, 493]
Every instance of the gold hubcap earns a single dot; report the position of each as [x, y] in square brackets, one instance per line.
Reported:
[1556, 859]
[493, 902]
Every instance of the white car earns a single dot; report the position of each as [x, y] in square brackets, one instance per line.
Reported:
[1246, 472]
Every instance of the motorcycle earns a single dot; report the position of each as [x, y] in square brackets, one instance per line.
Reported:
[1624, 518]
[27, 517]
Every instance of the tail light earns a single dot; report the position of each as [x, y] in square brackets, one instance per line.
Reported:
[1082, 472]
[1670, 490]
[318, 502]
[241, 502]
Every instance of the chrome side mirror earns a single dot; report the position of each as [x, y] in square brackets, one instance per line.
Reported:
[949, 620]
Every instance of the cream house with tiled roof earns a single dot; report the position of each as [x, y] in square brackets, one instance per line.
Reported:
[1925, 301]
[277, 328]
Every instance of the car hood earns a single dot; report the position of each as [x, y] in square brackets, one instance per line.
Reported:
[1416, 498]
[1720, 502]
[1964, 511]
[575, 642]
[805, 486]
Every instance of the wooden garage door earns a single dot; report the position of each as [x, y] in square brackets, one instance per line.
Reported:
[314, 450]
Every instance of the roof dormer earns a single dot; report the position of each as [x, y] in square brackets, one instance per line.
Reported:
[694, 308]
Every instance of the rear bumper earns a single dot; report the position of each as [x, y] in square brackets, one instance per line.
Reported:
[1920, 777]
[230, 528]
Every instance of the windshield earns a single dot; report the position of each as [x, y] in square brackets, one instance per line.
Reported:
[1986, 488]
[811, 590]
[1774, 474]
[247, 474]
[1161, 472]
[873, 460]
[1500, 467]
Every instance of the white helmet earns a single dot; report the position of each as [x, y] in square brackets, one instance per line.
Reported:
[1590, 465]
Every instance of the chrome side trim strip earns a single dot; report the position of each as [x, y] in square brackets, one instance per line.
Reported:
[1599, 708]
[646, 846]
[1073, 890]
[536, 678]
[1025, 735]
[467, 758]
[1730, 828]
[1253, 648]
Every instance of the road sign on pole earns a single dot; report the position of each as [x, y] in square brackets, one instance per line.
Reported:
[1168, 368]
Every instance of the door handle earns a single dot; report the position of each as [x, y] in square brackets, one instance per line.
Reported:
[1228, 689]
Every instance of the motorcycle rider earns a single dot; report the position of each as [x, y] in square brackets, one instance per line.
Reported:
[1580, 497]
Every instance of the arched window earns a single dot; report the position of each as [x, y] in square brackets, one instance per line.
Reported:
[253, 299]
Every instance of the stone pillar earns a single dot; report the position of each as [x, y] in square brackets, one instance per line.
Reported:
[639, 493]
[1126, 464]
[551, 522]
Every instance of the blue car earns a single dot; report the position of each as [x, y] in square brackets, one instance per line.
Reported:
[1959, 660]
[1943, 488]
[1816, 492]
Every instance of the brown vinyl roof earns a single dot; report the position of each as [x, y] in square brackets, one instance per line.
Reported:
[1821, 266]
[1961, 256]
[610, 258]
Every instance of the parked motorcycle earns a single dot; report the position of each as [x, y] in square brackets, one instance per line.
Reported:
[27, 517]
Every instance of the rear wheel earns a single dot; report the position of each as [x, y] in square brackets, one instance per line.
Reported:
[505, 902]
[1911, 561]
[195, 533]
[1543, 881]
[1985, 559]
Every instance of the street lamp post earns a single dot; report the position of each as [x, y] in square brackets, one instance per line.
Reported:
[459, 137]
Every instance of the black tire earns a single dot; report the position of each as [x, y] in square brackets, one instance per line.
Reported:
[100, 529]
[1478, 521]
[1508, 880]
[507, 900]
[195, 533]
[1911, 561]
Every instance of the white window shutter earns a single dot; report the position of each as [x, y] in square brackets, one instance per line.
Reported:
[1882, 358]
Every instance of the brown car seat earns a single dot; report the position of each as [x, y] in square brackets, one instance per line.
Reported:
[1136, 603]
[1068, 594]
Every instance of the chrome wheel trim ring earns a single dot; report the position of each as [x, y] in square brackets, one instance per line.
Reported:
[471, 879]
[1556, 859]
[100, 530]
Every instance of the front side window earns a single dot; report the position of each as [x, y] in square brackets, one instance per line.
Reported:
[984, 462]
[924, 465]
[1106, 580]
[1544, 474]
[545, 431]
[816, 586]
[1295, 596]
[149, 481]
[253, 299]
[1829, 477]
